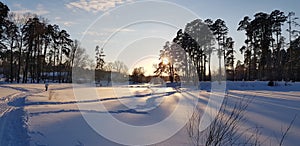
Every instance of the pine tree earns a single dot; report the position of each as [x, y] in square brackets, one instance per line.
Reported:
[99, 58]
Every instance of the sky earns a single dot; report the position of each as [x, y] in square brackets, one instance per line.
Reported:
[134, 31]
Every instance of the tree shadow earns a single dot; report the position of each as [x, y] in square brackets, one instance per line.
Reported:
[90, 101]
[15, 88]
[131, 111]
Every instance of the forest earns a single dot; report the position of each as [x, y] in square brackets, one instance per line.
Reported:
[32, 50]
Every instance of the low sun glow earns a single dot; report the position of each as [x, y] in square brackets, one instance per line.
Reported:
[165, 61]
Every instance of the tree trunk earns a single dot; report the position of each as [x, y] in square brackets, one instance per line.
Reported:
[11, 60]
[209, 67]
[20, 55]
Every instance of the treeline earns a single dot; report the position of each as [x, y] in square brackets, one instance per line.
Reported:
[32, 50]
[267, 53]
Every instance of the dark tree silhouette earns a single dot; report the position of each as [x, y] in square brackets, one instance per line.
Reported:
[99, 58]
[31, 49]
[167, 62]
[292, 33]
[264, 51]
[220, 31]
[138, 75]
[3, 15]
[196, 41]
[229, 64]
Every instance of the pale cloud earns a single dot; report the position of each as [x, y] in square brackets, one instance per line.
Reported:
[68, 23]
[39, 10]
[102, 42]
[106, 32]
[113, 30]
[94, 33]
[95, 5]
[126, 30]
[99, 41]
[57, 18]
[63, 22]
[18, 6]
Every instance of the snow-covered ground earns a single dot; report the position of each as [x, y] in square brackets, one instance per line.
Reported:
[31, 116]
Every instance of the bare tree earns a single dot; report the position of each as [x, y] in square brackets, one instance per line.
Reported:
[80, 58]
[120, 67]
[108, 66]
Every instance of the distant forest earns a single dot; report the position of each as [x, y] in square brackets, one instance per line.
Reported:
[32, 50]
[268, 55]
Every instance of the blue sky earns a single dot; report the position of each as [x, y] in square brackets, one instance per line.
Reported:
[128, 28]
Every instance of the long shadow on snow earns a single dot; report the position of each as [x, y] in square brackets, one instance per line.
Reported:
[151, 106]
[150, 102]
[15, 88]
[131, 111]
[60, 88]
[95, 100]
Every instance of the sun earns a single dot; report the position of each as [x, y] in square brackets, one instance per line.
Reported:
[165, 61]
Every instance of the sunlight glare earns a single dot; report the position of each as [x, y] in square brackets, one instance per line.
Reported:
[165, 61]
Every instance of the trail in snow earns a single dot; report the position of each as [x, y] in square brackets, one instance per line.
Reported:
[13, 118]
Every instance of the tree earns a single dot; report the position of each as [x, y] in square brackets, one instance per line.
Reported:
[229, 64]
[80, 59]
[173, 60]
[180, 44]
[33, 31]
[65, 43]
[259, 32]
[99, 58]
[120, 67]
[30, 47]
[292, 33]
[277, 19]
[9, 43]
[291, 20]
[138, 75]
[6, 35]
[197, 41]
[74, 47]
[20, 22]
[210, 49]
[294, 58]
[3, 15]
[54, 50]
[116, 66]
[220, 31]
[244, 25]
[167, 62]
[108, 66]
[239, 71]
[118, 71]
[11, 32]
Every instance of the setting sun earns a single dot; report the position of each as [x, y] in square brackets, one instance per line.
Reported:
[147, 63]
[165, 61]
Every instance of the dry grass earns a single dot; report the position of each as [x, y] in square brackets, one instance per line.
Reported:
[51, 94]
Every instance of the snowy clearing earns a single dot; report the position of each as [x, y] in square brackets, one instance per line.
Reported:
[32, 116]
